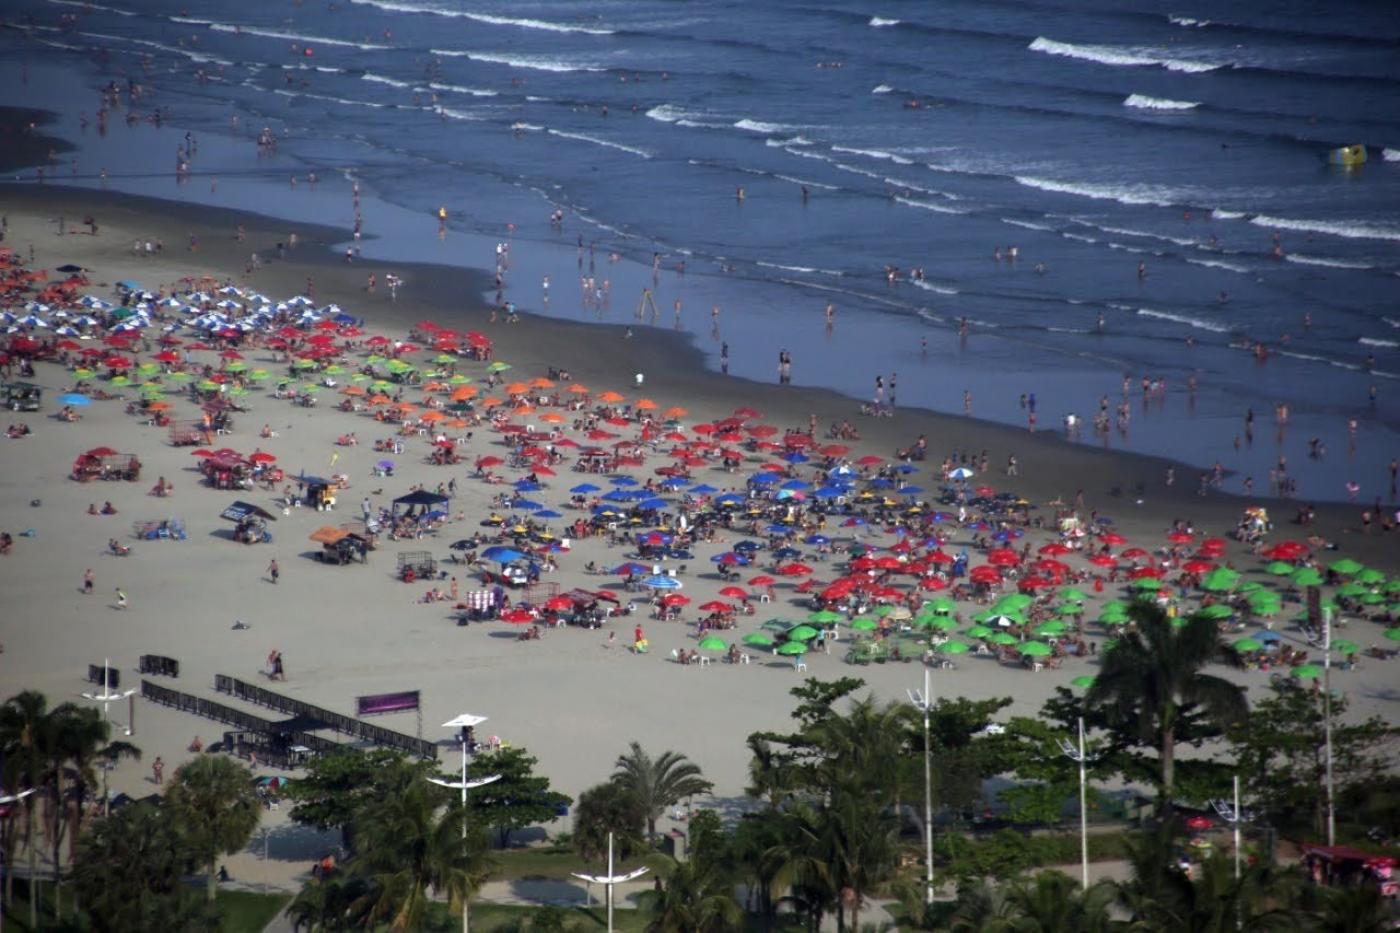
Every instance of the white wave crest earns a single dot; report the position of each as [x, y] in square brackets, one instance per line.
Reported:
[783, 143]
[452, 114]
[294, 37]
[881, 89]
[1306, 260]
[1220, 214]
[1027, 224]
[395, 7]
[82, 4]
[930, 287]
[758, 126]
[1350, 229]
[1390, 155]
[878, 21]
[1184, 319]
[381, 79]
[582, 137]
[349, 102]
[1123, 194]
[807, 269]
[533, 62]
[929, 206]
[1218, 264]
[1114, 55]
[1188, 21]
[458, 89]
[1377, 342]
[1143, 102]
[875, 154]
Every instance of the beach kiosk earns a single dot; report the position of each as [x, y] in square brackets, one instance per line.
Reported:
[339, 546]
[250, 522]
[320, 493]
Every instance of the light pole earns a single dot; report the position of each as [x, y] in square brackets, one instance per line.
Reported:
[610, 879]
[1231, 813]
[107, 697]
[463, 722]
[5, 801]
[1327, 717]
[1080, 755]
[924, 702]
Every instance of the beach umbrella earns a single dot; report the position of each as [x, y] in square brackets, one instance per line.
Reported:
[1070, 609]
[1307, 671]
[660, 582]
[1307, 576]
[1281, 568]
[825, 617]
[942, 605]
[1049, 629]
[1345, 567]
[792, 648]
[864, 624]
[1012, 602]
[1084, 681]
[1248, 644]
[1114, 620]
[1249, 587]
[1035, 649]
[1393, 634]
[258, 375]
[1002, 638]
[1344, 646]
[1004, 620]
[979, 631]
[759, 639]
[1070, 594]
[802, 633]
[1221, 578]
[1216, 611]
[1371, 599]
[713, 643]
[942, 623]
[953, 647]
[1351, 589]
[73, 398]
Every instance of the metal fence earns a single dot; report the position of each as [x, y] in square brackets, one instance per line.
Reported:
[246, 722]
[339, 722]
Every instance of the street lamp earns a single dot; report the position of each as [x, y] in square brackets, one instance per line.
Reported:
[1232, 814]
[107, 697]
[924, 702]
[1080, 755]
[463, 722]
[5, 801]
[610, 879]
[1327, 718]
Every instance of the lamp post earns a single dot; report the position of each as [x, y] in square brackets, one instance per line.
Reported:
[1231, 813]
[1327, 718]
[610, 879]
[924, 702]
[107, 697]
[1080, 755]
[5, 801]
[463, 722]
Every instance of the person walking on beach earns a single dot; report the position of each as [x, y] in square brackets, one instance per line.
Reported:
[121, 599]
[967, 402]
[273, 571]
[158, 770]
[724, 358]
[87, 582]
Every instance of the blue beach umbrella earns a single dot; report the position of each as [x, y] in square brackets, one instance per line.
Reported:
[583, 489]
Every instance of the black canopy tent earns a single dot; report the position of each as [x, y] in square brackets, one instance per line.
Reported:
[419, 497]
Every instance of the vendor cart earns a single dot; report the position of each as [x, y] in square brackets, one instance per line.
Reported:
[416, 565]
[250, 522]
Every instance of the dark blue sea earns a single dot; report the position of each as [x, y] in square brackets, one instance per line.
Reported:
[1188, 139]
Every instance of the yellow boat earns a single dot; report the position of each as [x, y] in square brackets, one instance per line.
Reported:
[1348, 156]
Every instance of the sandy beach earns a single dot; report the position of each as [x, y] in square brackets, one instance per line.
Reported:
[345, 631]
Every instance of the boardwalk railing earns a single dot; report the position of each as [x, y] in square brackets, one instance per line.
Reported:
[279, 739]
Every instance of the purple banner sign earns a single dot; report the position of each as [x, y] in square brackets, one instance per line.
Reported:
[379, 703]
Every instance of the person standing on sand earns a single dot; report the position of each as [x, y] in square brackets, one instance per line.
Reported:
[87, 582]
[273, 571]
[158, 770]
[121, 599]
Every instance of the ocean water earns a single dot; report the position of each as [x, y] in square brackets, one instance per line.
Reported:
[1092, 137]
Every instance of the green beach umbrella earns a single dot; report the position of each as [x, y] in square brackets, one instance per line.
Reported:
[777, 625]
[83, 373]
[303, 363]
[181, 376]
[311, 388]
[147, 369]
[207, 385]
[759, 639]
[1147, 584]
[713, 643]
[1307, 671]
[1281, 568]
[258, 375]
[979, 631]
[237, 366]
[1049, 629]
[458, 380]
[1115, 605]
[825, 617]
[238, 391]
[1307, 576]
[1071, 594]
[1252, 586]
[1343, 646]
[1114, 620]
[882, 611]
[498, 367]
[953, 647]
[1002, 638]
[121, 381]
[864, 624]
[374, 359]
[1372, 599]
[1221, 578]
[1035, 649]
[444, 358]
[1393, 586]
[1216, 611]
[1351, 589]
[1108, 645]
[1247, 644]
[792, 647]
[359, 377]
[1070, 609]
[335, 369]
[1083, 681]
[1393, 634]
[802, 633]
[943, 624]
[381, 385]
[1014, 602]
[1346, 567]
[942, 605]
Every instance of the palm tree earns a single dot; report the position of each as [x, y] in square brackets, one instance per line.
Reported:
[411, 846]
[985, 907]
[1151, 685]
[340, 902]
[796, 867]
[76, 733]
[213, 797]
[660, 783]
[24, 731]
[696, 899]
[1052, 901]
[770, 772]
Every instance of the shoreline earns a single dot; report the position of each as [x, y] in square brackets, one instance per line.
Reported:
[1050, 468]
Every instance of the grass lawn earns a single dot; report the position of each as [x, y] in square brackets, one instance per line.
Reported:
[248, 911]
